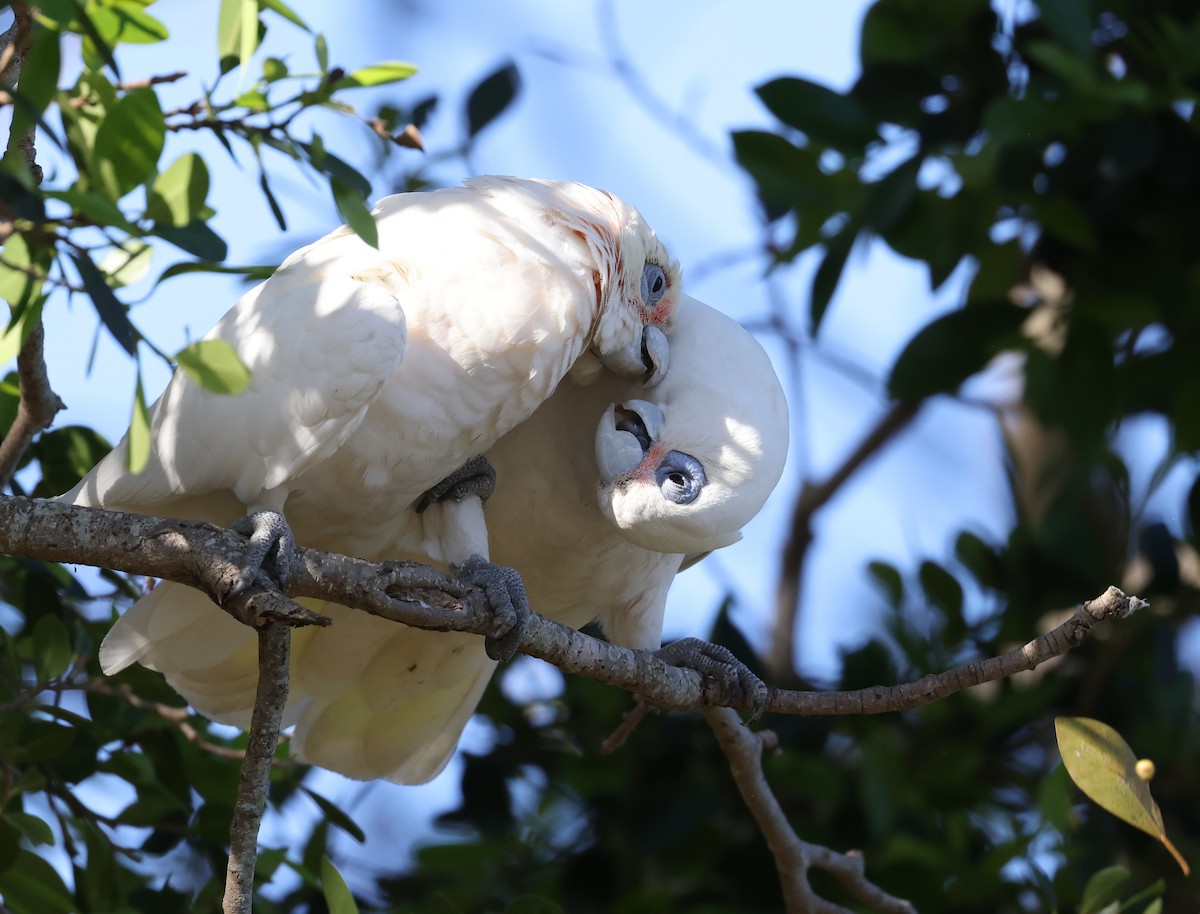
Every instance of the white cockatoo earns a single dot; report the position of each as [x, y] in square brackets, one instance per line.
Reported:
[599, 497]
[374, 372]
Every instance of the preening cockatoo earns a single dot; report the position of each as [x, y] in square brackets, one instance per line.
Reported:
[376, 372]
[599, 497]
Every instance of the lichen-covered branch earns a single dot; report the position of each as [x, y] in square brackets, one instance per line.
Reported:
[205, 556]
[38, 404]
[274, 653]
[793, 857]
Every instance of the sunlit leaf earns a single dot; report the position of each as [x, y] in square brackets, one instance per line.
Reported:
[178, 194]
[278, 6]
[94, 208]
[125, 265]
[354, 210]
[1103, 766]
[215, 366]
[21, 278]
[127, 23]
[137, 445]
[128, 142]
[337, 893]
[378, 74]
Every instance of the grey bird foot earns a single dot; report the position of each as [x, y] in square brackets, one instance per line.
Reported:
[475, 477]
[272, 545]
[736, 681]
[506, 596]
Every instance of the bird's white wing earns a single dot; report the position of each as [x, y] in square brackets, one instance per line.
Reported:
[319, 349]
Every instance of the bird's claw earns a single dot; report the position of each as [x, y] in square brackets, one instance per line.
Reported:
[272, 545]
[506, 596]
[736, 681]
[475, 477]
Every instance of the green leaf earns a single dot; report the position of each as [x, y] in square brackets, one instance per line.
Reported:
[95, 43]
[337, 893]
[828, 275]
[533, 904]
[787, 176]
[128, 143]
[247, 31]
[889, 580]
[337, 816]
[491, 96]
[1104, 889]
[256, 272]
[197, 238]
[278, 6]
[36, 830]
[178, 194]
[112, 313]
[331, 166]
[1103, 766]
[137, 445]
[379, 74]
[215, 366]
[19, 328]
[1070, 21]
[953, 347]
[941, 589]
[125, 265]
[31, 886]
[254, 100]
[39, 80]
[821, 114]
[94, 208]
[51, 648]
[21, 277]
[354, 210]
[125, 22]
[273, 68]
[321, 49]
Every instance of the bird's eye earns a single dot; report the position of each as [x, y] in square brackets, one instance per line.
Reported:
[680, 478]
[654, 284]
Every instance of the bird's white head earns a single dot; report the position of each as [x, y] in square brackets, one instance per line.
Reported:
[637, 284]
[684, 473]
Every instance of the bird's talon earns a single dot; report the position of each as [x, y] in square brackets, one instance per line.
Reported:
[506, 596]
[738, 684]
[272, 545]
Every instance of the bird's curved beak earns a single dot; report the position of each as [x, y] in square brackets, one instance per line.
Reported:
[647, 357]
[623, 438]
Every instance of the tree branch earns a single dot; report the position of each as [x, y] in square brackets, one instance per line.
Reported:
[780, 660]
[205, 556]
[38, 404]
[793, 857]
[274, 655]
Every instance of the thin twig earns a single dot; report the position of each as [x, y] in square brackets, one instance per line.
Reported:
[629, 722]
[811, 499]
[274, 651]
[38, 404]
[793, 857]
[179, 715]
[204, 556]
[36, 409]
